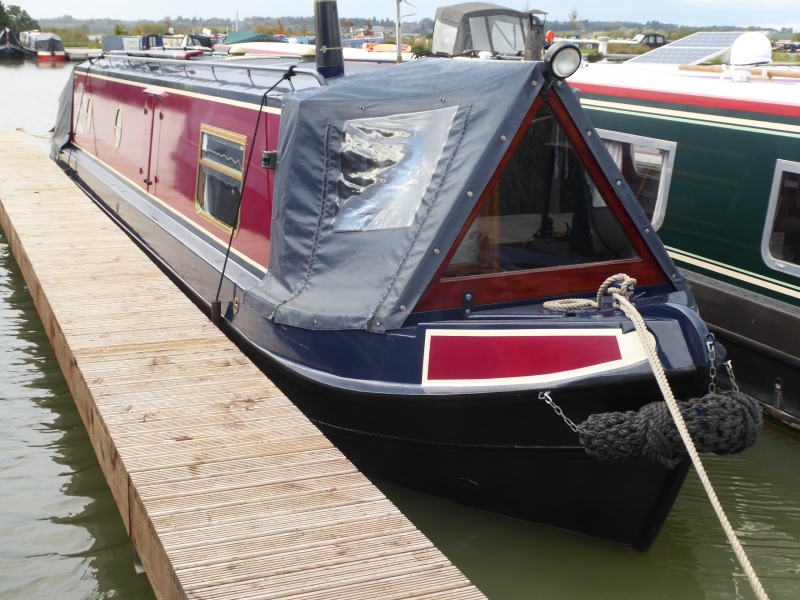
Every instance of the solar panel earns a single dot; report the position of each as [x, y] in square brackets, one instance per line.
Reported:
[691, 50]
[708, 40]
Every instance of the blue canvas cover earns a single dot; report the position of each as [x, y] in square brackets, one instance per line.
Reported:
[377, 174]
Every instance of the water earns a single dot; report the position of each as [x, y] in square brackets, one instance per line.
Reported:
[61, 535]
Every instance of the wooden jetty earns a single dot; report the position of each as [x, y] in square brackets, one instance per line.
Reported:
[225, 488]
[80, 53]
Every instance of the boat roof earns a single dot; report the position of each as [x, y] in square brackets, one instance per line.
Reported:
[452, 15]
[704, 87]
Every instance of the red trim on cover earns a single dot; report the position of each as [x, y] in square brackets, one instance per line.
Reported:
[499, 357]
[549, 282]
[768, 108]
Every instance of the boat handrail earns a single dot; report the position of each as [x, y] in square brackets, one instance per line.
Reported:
[240, 67]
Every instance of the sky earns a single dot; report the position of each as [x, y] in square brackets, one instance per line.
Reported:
[766, 13]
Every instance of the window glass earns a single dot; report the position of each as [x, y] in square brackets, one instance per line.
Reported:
[218, 195]
[444, 38]
[544, 211]
[646, 164]
[507, 35]
[219, 176]
[223, 152]
[386, 167]
[118, 128]
[784, 241]
[480, 37]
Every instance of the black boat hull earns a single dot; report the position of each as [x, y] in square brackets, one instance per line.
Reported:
[504, 452]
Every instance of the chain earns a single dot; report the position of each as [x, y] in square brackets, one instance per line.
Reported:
[712, 370]
[729, 367]
[546, 397]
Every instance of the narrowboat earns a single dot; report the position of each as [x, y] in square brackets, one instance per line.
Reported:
[383, 242]
[9, 45]
[44, 47]
[713, 154]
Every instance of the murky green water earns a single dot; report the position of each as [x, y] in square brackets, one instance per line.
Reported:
[61, 536]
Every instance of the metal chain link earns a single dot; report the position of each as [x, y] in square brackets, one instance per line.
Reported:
[729, 367]
[712, 370]
[546, 397]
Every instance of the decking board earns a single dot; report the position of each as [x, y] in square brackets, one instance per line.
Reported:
[225, 488]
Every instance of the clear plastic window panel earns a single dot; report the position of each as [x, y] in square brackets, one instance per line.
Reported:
[643, 168]
[444, 38]
[784, 241]
[480, 37]
[218, 195]
[223, 152]
[544, 211]
[386, 167]
[507, 35]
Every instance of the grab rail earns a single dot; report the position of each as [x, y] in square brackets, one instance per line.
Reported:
[206, 63]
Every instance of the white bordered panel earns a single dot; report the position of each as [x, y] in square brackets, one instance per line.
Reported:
[503, 358]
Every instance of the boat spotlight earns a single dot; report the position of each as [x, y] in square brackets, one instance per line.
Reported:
[562, 59]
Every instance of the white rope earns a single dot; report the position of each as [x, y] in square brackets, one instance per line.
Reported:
[46, 136]
[621, 295]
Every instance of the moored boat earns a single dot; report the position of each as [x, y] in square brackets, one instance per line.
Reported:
[393, 236]
[713, 154]
[44, 47]
[9, 45]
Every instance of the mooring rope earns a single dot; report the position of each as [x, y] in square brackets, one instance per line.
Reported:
[44, 136]
[621, 297]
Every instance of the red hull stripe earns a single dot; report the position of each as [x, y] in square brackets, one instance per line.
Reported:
[502, 357]
[767, 108]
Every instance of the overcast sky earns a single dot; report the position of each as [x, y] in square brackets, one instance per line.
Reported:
[774, 13]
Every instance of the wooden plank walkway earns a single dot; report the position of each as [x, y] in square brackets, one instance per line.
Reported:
[225, 488]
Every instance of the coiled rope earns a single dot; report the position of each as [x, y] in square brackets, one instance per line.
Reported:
[621, 297]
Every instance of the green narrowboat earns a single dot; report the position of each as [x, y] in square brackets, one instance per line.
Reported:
[714, 158]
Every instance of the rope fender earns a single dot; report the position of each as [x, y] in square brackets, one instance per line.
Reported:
[622, 295]
[722, 423]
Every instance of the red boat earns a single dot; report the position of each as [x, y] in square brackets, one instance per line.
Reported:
[44, 47]
[393, 237]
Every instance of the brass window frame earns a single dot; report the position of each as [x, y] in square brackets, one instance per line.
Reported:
[89, 115]
[230, 136]
[118, 127]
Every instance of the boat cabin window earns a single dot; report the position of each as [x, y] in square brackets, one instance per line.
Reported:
[507, 34]
[219, 176]
[118, 128]
[781, 244]
[386, 167]
[543, 211]
[646, 164]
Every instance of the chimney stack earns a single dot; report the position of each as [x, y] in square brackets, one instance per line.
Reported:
[330, 60]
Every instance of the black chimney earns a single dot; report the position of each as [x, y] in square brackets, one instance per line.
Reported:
[534, 41]
[330, 61]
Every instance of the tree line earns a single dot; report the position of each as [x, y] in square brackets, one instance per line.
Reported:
[16, 19]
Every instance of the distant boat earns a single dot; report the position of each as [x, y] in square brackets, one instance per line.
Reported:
[10, 46]
[713, 154]
[42, 46]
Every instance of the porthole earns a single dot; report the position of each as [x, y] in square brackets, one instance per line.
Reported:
[88, 114]
[118, 128]
[79, 93]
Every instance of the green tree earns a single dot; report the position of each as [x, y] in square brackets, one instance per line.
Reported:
[303, 28]
[21, 20]
[119, 29]
[4, 20]
[573, 19]
[796, 37]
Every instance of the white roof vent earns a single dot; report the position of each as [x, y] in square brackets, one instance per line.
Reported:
[752, 48]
